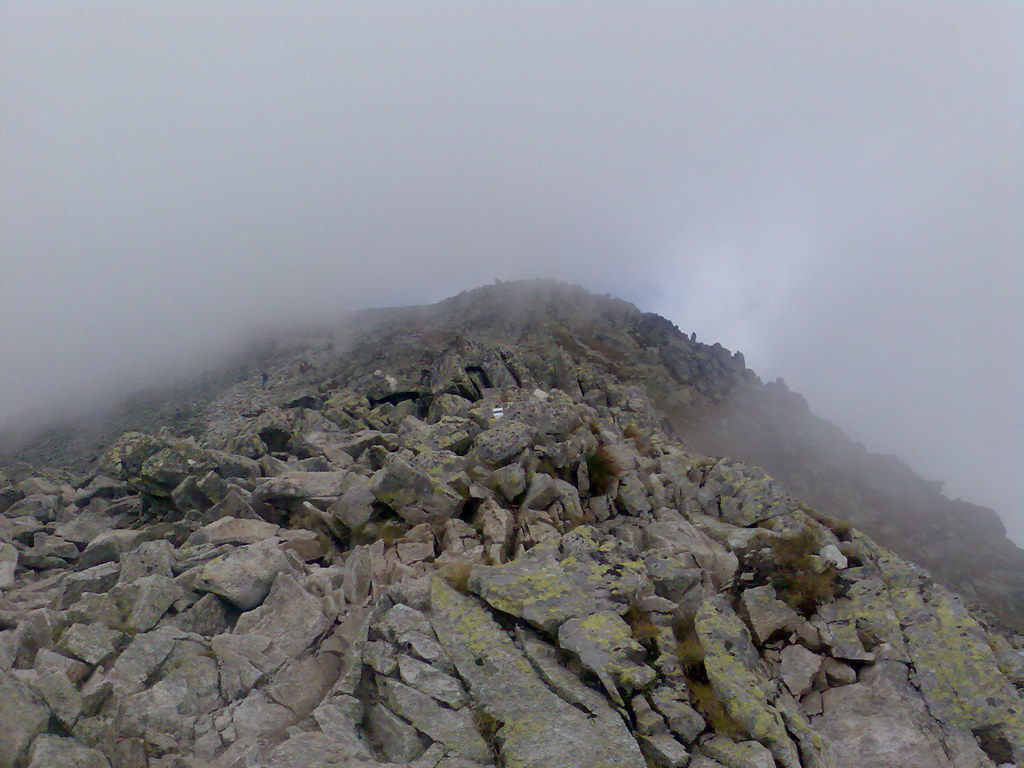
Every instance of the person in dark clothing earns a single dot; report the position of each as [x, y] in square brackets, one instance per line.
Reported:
[264, 378]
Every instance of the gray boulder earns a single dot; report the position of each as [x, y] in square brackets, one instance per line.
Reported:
[58, 752]
[244, 575]
[23, 714]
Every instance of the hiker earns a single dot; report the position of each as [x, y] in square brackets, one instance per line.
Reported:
[264, 379]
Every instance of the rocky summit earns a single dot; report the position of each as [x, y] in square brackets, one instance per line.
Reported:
[526, 527]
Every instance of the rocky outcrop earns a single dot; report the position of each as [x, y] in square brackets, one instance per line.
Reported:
[486, 559]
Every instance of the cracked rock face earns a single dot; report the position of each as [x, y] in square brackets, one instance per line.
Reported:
[465, 553]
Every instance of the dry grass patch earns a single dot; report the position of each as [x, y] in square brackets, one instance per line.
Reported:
[602, 469]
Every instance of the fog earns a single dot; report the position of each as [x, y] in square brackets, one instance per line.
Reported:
[835, 189]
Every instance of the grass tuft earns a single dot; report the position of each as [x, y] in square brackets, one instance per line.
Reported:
[706, 702]
[602, 469]
[793, 575]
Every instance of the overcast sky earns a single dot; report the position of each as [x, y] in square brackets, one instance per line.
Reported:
[834, 188]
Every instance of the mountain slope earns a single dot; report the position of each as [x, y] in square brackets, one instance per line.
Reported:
[563, 336]
[469, 535]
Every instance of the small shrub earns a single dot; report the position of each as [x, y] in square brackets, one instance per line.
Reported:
[842, 529]
[691, 657]
[602, 469]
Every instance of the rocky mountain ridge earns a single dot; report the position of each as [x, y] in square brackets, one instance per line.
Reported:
[480, 533]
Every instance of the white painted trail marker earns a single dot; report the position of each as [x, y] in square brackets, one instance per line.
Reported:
[498, 411]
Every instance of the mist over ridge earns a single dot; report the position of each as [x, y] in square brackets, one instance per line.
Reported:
[820, 188]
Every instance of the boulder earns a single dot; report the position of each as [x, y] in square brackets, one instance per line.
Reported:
[290, 617]
[232, 530]
[767, 614]
[300, 486]
[52, 751]
[92, 643]
[412, 493]
[582, 573]
[8, 564]
[354, 506]
[244, 575]
[24, 715]
[798, 668]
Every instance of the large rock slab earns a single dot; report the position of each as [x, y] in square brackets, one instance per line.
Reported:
[880, 724]
[536, 728]
[732, 665]
[455, 729]
[957, 670]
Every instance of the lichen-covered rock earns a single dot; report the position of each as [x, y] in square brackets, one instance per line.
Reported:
[412, 493]
[504, 441]
[580, 575]
[604, 643]
[535, 728]
[732, 665]
[957, 671]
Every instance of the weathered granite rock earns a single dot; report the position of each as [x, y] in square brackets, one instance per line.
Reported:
[92, 643]
[8, 564]
[878, 725]
[536, 728]
[52, 751]
[399, 741]
[738, 754]
[290, 616]
[957, 672]
[412, 493]
[232, 530]
[767, 614]
[604, 644]
[799, 666]
[504, 441]
[244, 575]
[298, 486]
[23, 714]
